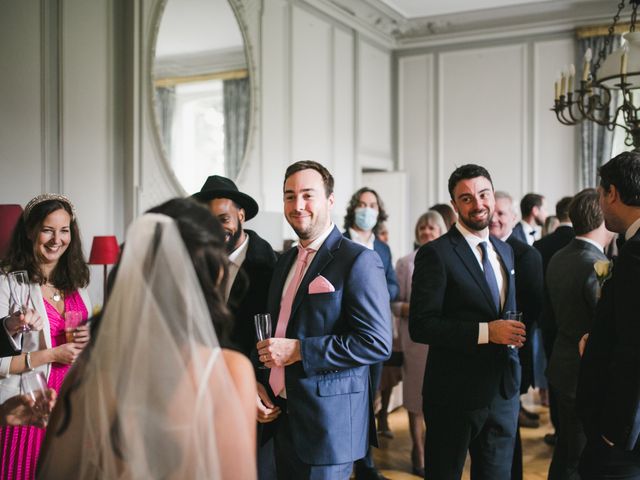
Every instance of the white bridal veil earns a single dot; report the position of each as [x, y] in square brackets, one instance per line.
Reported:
[154, 400]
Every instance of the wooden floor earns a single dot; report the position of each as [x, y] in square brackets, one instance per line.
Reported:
[393, 458]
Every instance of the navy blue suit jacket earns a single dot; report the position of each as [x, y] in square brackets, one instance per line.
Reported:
[384, 251]
[608, 396]
[449, 298]
[341, 333]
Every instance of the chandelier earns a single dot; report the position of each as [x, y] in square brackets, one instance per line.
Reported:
[604, 94]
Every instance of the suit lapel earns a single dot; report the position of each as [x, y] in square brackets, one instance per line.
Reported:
[463, 250]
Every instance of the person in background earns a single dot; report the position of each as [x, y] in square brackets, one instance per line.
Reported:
[47, 244]
[448, 214]
[573, 291]
[429, 226]
[383, 233]
[534, 214]
[550, 225]
[365, 214]
[158, 393]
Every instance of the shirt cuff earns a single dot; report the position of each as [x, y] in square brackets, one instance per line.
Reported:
[15, 343]
[483, 333]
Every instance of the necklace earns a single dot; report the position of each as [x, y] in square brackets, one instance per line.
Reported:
[56, 296]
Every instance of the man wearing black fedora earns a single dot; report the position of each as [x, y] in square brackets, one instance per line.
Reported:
[251, 259]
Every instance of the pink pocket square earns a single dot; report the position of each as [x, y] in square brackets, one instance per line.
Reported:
[320, 285]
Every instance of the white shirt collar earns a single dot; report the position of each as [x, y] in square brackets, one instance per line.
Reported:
[358, 238]
[592, 242]
[472, 239]
[565, 224]
[632, 230]
[238, 256]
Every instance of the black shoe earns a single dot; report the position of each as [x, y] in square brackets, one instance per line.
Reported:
[529, 414]
[551, 439]
[369, 473]
[418, 471]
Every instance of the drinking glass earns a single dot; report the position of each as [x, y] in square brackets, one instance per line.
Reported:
[513, 315]
[34, 385]
[20, 292]
[262, 322]
[72, 320]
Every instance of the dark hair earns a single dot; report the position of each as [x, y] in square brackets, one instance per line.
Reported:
[623, 171]
[585, 212]
[327, 178]
[528, 202]
[70, 273]
[350, 217]
[447, 213]
[562, 208]
[466, 172]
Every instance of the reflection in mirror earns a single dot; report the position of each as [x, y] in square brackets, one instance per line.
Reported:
[202, 90]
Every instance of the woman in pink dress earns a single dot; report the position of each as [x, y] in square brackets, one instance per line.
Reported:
[428, 227]
[46, 244]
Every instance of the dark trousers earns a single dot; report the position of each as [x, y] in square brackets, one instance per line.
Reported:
[366, 463]
[599, 461]
[488, 434]
[290, 467]
[516, 467]
[266, 461]
[570, 443]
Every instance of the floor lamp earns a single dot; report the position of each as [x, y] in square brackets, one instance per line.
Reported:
[104, 251]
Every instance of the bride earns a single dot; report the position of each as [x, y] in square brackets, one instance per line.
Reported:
[156, 395]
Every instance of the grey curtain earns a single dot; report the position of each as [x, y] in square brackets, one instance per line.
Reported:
[237, 102]
[596, 140]
[165, 106]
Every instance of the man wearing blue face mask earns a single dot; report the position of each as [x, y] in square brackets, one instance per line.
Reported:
[365, 214]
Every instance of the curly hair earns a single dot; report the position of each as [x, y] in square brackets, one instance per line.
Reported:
[350, 217]
[70, 273]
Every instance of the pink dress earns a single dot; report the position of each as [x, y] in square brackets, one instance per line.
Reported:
[20, 446]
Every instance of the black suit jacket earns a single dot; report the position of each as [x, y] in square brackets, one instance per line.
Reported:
[573, 290]
[250, 290]
[6, 349]
[608, 396]
[518, 233]
[449, 298]
[529, 298]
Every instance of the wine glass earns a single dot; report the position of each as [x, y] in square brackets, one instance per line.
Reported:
[20, 292]
[262, 322]
[72, 320]
[34, 385]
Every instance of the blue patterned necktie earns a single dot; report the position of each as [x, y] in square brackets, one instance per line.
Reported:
[490, 276]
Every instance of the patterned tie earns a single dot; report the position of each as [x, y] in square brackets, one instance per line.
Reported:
[490, 276]
[276, 377]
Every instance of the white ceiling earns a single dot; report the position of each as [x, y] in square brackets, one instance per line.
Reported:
[428, 8]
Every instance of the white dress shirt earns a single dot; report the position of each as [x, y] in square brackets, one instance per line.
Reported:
[500, 273]
[592, 242]
[528, 229]
[236, 259]
[358, 238]
[632, 230]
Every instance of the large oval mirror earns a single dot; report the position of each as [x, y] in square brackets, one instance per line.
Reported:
[202, 90]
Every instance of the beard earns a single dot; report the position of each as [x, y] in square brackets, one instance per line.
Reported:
[232, 238]
[477, 225]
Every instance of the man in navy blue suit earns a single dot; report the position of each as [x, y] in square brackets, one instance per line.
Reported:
[331, 303]
[608, 395]
[462, 286]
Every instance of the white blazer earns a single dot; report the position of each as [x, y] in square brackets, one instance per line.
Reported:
[10, 384]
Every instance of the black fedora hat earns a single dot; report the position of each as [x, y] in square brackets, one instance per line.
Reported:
[222, 187]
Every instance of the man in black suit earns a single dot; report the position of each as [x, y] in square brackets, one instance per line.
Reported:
[529, 294]
[251, 259]
[573, 290]
[608, 396]
[462, 284]
[534, 213]
[548, 246]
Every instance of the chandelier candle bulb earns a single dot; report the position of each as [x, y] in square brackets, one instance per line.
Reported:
[572, 74]
[557, 90]
[624, 59]
[587, 64]
[563, 84]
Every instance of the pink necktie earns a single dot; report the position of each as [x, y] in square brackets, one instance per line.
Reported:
[276, 377]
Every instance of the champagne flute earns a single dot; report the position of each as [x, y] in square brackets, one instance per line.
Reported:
[20, 292]
[262, 322]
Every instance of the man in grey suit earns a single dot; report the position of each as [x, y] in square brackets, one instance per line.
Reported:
[573, 292]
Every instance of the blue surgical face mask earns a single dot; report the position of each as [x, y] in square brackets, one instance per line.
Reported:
[366, 218]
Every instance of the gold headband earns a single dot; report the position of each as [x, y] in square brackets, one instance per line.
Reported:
[45, 197]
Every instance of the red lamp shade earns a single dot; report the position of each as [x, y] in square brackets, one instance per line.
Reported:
[9, 216]
[104, 250]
